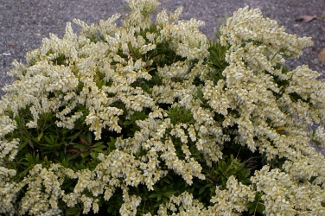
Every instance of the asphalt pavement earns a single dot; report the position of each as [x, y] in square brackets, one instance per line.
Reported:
[23, 23]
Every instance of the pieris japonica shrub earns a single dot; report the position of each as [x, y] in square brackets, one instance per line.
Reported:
[149, 117]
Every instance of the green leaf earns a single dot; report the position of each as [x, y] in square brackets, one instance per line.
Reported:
[126, 123]
[257, 205]
[94, 155]
[154, 195]
[64, 162]
[166, 180]
[52, 146]
[98, 144]
[73, 211]
[202, 189]
[99, 149]
[85, 154]
[111, 144]
[318, 143]
[39, 137]
[22, 144]
[80, 166]
[89, 138]
[48, 140]
[169, 193]
[73, 137]
[80, 146]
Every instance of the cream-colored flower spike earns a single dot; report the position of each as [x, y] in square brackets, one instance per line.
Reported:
[186, 115]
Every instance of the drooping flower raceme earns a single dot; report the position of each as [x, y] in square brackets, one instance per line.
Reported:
[185, 114]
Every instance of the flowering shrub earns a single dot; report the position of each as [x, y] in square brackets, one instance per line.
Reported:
[152, 118]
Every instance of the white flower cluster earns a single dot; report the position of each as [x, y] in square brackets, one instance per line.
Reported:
[272, 124]
[319, 136]
[283, 195]
[75, 71]
[231, 201]
[42, 195]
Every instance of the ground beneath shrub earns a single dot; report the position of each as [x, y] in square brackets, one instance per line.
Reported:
[23, 24]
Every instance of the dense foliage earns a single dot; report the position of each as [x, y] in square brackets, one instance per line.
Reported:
[152, 118]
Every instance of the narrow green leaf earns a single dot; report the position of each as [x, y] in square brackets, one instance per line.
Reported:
[99, 150]
[202, 189]
[22, 144]
[166, 180]
[80, 146]
[73, 137]
[126, 123]
[85, 154]
[98, 144]
[39, 137]
[154, 195]
[94, 155]
[89, 138]
[48, 140]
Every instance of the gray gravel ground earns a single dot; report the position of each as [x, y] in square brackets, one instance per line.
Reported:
[23, 23]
